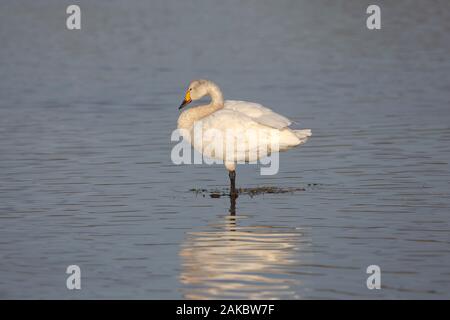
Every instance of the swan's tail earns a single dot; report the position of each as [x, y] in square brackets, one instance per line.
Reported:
[303, 134]
[292, 138]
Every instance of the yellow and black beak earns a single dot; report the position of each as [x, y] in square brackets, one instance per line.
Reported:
[186, 101]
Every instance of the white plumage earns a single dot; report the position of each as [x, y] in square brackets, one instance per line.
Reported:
[258, 113]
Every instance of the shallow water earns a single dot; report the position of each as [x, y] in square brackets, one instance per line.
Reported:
[86, 176]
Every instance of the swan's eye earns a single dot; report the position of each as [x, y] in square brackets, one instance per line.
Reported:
[190, 89]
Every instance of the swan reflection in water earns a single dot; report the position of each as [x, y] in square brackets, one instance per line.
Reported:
[227, 260]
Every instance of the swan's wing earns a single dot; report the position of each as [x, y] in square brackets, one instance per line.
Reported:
[258, 113]
[227, 127]
[227, 119]
[230, 124]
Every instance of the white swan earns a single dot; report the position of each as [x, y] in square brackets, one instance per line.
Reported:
[234, 123]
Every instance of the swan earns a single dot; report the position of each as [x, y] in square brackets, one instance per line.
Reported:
[230, 120]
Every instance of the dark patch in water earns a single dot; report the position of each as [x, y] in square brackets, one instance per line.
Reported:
[218, 193]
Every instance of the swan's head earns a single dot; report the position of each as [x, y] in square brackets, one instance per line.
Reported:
[196, 90]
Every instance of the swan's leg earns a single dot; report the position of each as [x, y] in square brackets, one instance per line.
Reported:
[232, 175]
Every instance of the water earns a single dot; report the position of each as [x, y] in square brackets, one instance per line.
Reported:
[86, 176]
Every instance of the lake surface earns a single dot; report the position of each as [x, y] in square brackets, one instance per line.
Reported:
[86, 176]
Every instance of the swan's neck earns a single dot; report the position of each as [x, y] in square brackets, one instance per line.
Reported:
[188, 117]
[216, 95]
